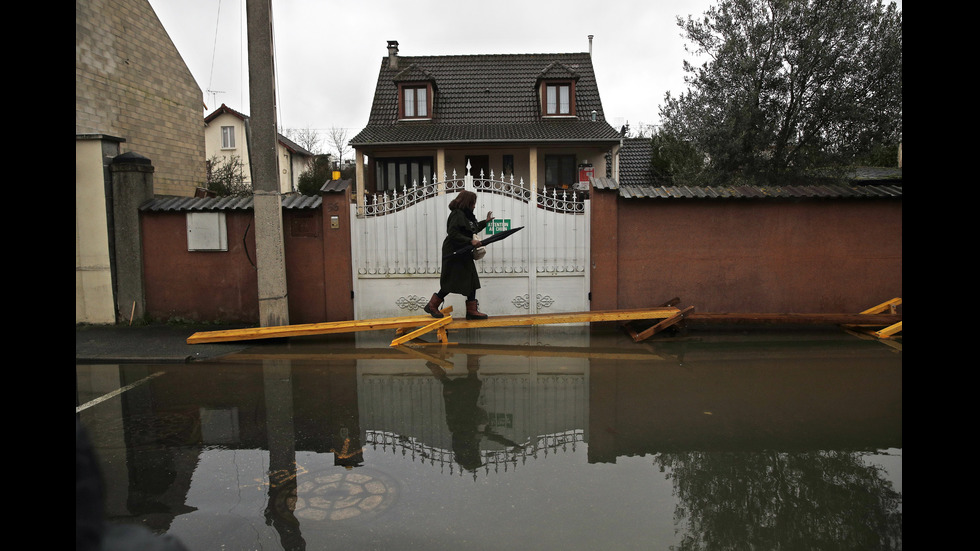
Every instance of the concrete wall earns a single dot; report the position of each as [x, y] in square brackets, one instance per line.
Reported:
[811, 256]
[131, 82]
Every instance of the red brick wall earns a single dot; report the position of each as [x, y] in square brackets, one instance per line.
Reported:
[814, 256]
[738, 256]
[201, 286]
[223, 286]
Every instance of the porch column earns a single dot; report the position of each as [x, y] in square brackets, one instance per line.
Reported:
[441, 169]
[359, 190]
[532, 280]
[533, 164]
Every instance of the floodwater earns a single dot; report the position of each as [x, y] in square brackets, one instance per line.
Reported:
[536, 438]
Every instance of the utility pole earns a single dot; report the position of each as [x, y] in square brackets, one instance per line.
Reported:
[267, 201]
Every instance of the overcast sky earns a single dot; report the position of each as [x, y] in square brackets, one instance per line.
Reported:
[328, 53]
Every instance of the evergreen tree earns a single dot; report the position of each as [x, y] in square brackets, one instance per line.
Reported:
[787, 85]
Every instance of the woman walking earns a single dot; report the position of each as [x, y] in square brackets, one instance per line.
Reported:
[459, 272]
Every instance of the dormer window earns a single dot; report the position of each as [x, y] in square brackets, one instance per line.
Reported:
[416, 101]
[558, 99]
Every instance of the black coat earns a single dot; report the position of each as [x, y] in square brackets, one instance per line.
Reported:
[459, 272]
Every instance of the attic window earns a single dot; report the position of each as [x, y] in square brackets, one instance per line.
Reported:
[558, 98]
[415, 101]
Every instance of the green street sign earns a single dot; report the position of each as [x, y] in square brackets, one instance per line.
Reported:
[498, 225]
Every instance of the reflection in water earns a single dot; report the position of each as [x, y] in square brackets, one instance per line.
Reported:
[771, 500]
[280, 512]
[467, 421]
[733, 447]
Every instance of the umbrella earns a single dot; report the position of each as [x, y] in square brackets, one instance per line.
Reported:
[493, 238]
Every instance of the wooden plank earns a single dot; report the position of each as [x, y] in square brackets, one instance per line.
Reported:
[434, 325]
[888, 306]
[815, 319]
[445, 311]
[325, 328]
[889, 331]
[676, 318]
[628, 325]
[566, 317]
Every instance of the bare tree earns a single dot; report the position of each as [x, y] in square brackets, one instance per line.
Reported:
[338, 139]
[307, 137]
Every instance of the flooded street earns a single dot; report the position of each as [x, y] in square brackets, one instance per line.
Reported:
[532, 438]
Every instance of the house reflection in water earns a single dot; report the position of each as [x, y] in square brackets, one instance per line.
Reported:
[495, 413]
[701, 410]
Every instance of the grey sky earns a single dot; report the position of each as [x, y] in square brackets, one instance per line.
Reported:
[328, 54]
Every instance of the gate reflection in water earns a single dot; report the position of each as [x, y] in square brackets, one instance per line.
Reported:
[763, 442]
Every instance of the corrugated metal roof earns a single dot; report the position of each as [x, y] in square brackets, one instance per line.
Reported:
[209, 204]
[827, 191]
[336, 186]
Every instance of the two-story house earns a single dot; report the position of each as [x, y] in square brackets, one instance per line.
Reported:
[537, 117]
[525, 131]
[225, 135]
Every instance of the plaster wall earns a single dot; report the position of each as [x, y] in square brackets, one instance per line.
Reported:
[94, 302]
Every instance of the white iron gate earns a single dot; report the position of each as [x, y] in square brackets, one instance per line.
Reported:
[397, 249]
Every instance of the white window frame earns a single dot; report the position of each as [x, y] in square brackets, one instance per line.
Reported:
[227, 137]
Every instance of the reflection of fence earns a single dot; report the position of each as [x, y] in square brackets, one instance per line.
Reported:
[497, 460]
[530, 415]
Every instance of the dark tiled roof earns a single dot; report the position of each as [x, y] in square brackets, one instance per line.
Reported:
[486, 98]
[293, 146]
[634, 161]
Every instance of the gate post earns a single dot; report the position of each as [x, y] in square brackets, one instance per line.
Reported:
[132, 185]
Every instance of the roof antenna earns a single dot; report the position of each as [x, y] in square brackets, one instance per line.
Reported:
[590, 45]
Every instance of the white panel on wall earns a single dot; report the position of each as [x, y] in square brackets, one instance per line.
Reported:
[207, 231]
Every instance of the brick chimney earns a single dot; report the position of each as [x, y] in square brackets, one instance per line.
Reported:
[392, 54]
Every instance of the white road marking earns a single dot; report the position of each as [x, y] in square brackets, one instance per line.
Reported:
[115, 393]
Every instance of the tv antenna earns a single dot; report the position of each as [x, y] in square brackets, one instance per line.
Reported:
[214, 94]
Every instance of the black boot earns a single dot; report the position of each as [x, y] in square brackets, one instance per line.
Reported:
[472, 313]
[432, 308]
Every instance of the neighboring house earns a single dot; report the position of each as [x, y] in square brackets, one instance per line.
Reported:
[536, 117]
[225, 132]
